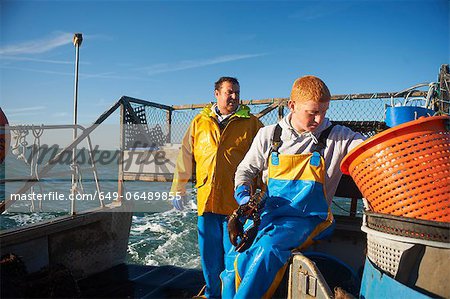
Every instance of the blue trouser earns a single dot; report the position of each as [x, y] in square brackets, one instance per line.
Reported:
[213, 242]
[228, 276]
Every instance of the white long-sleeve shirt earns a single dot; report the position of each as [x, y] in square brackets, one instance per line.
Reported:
[339, 142]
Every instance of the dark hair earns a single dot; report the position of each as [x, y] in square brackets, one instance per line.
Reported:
[219, 82]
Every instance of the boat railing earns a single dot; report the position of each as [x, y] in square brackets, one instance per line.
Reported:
[37, 154]
[43, 158]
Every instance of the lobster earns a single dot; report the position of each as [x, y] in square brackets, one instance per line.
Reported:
[250, 210]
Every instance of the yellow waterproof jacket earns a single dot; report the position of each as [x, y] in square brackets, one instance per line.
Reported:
[216, 154]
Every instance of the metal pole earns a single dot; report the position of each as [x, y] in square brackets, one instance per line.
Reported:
[77, 39]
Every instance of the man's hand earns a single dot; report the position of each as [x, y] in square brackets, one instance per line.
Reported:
[242, 194]
[180, 203]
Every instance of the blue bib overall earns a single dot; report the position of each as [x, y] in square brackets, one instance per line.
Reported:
[296, 213]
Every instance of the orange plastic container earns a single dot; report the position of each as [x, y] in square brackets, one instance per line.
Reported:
[405, 170]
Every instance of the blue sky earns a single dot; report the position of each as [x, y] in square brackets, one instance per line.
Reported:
[171, 52]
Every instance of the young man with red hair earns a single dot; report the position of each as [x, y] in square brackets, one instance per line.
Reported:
[299, 158]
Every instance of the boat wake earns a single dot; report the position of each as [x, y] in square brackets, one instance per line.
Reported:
[167, 238]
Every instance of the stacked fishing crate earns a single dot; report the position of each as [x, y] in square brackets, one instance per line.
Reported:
[404, 175]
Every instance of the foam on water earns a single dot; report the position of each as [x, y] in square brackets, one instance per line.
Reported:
[167, 238]
[12, 220]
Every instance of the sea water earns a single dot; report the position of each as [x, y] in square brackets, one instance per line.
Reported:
[160, 235]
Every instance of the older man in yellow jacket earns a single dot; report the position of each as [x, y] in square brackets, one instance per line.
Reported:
[215, 143]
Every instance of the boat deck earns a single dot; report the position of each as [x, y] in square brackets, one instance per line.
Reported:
[140, 281]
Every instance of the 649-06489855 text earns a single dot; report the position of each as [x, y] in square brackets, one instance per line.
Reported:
[144, 196]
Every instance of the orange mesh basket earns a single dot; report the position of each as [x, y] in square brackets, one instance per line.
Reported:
[405, 170]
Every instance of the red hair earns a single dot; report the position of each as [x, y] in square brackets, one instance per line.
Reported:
[310, 88]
